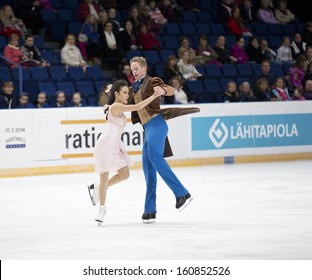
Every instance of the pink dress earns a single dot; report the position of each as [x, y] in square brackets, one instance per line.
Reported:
[110, 153]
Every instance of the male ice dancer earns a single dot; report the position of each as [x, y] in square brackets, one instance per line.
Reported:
[156, 145]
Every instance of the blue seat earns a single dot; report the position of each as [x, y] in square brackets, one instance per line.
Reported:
[49, 88]
[74, 27]
[39, 73]
[76, 73]
[160, 70]
[277, 69]
[172, 29]
[275, 29]
[213, 71]
[86, 88]
[261, 29]
[5, 74]
[3, 42]
[25, 73]
[130, 54]
[244, 70]
[195, 86]
[58, 30]
[99, 85]
[202, 28]
[300, 27]
[32, 88]
[201, 69]
[66, 15]
[93, 101]
[217, 29]
[256, 68]
[212, 86]
[289, 29]
[39, 42]
[48, 55]
[67, 87]
[72, 4]
[204, 16]
[188, 29]
[206, 5]
[58, 73]
[94, 72]
[274, 41]
[151, 56]
[164, 54]
[189, 16]
[286, 68]
[48, 15]
[57, 4]
[229, 70]
[171, 42]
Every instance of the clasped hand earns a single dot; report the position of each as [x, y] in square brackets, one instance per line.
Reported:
[158, 91]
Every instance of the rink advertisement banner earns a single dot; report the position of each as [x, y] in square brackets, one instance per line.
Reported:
[251, 131]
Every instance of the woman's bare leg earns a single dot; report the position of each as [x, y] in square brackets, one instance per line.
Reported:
[103, 187]
[122, 175]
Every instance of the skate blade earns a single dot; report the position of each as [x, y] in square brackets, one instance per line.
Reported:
[149, 221]
[99, 222]
[91, 197]
[187, 202]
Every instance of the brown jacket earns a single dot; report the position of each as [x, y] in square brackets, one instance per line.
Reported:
[146, 90]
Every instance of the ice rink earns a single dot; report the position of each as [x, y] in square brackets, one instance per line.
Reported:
[248, 211]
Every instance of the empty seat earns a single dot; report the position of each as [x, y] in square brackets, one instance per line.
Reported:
[261, 29]
[76, 73]
[277, 69]
[213, 71]
[195, 86]
[130, 54]
[189, 16]
[25, 73]
[66, 15]
[229, 70]
[188, 29]
[172, 28]
[212, 86]
[275, 29]
[58, 72]
[204, 16]
[217, 29]
[48, 56]
[32, 88]
[164, 54]
[151, 56]
[48, 87]
[203, 28]
[48, 15]
[39, 73]
[86, 88]
[171, 42]
[5, 74]
[244, 70]
[94, 72]
[67, 87]
[74, 27]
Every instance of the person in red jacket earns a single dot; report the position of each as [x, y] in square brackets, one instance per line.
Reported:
[236, 24]
[147, 39]
[88, 7]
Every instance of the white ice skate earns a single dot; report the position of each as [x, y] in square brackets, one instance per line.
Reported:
[94, 193]
[101, 215]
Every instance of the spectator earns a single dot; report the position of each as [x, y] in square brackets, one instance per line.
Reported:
[307, 33]
[11, 24]
[24, 101]
[71, 55]
[236, 24]
[185, 46]
[238, 51]
[231, 94]
[225, 10]
[134, 17]
[266, 73]
[248, 12]
[307, 93]
[297, 72]
[181, 94]
[147, 39]
[7, 100]
[171, 69]
[284, 52]
[186, 68]
[280, 90]
[308, 73]
[103, 95]
[89, 7]
[253, 50]
[170, 12]
[282, 14]
[155, 13]
[266, 51]
[263, 91]
[297, 46]
[76, 100]
[224, 53]
[126, 74]
[103, 18]
[265, 14]
[245, 93]
[114, 21]
[42, 101]
[32, 52]
[298, 94]
[30, 12]
[61, 99]
[127, 37]
[190, 5]
[308, 54]
[89, 28]
[206, 52]
[151, 25]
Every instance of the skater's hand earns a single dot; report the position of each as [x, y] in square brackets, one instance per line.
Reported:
[158, 91]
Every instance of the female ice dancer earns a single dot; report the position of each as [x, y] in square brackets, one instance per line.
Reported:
[110, 154]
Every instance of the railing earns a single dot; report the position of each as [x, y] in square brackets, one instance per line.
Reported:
[20, 73]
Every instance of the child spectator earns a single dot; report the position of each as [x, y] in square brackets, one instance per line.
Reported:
[61, 99]
[263, 91]
[267, 52]
[24, 101]
[76, 100]
[42, 101]
[245, 93]
[231, 94]
[280, 90]
[298, 94]
[171, 69]
[284, 52]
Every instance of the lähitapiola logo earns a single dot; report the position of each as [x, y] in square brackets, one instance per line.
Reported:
[218, 133]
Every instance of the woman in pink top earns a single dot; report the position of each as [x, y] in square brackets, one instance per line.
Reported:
[13, 52]
[238, 51]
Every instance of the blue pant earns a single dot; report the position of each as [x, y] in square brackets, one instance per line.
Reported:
[155, 132]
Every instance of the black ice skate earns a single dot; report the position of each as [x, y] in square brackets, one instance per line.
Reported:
[183, 202]
[149, 218]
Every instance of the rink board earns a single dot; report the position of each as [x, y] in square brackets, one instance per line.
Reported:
[48, 141]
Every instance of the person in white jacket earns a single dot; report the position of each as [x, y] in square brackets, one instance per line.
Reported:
[70, 53]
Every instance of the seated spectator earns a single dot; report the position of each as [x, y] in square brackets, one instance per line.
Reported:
[263, 91]
[298, 94]
[151, 25]
[76, 100]
[155, 13]
[30, 12]
[134, 17]
[186, 68]
[11, 24]
[103, 18]
[190, 5]
[307, 92]
[170, 12]
[297, 72]
[112, 18]
[253, 50]
[111, 48]
[236, 24]
[307, 33]
[265, 14]
[282, 14]
[147, 39]
[181, 94]
[280, 90]
[128, 39]
[71, 55]
[224, 53]
[13, 52]
[205, 51]
[126, 74]
[103, 95]
[42, 101]
[266, 73]
[245, 93]
[231, 94]
[89, 7]
[89, 28]
[7, 100]
[24, 101]
[284, 54]
[238, 51]
[267, 52]
[248, 12]
[32, 52]
[60, 99]
[185, 46]
[225, 10]
[297, 46]
[308, 73]
[171, 69]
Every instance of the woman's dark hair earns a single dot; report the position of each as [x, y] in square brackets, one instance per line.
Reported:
[117, 85]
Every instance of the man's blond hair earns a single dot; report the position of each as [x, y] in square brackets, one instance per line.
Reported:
[139, 59]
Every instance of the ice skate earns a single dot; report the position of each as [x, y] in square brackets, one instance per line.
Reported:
[93, 193]
[183, 202]
[149, 218]
[101, 215]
